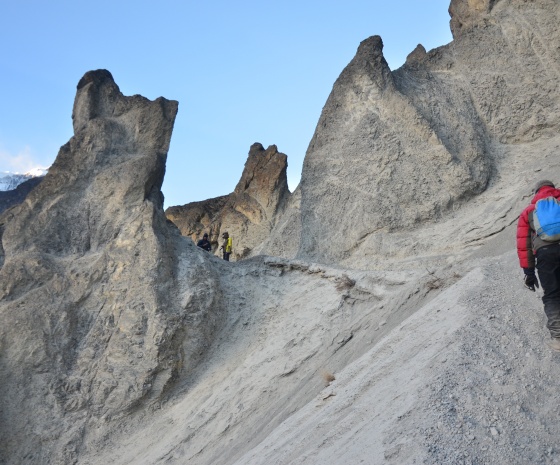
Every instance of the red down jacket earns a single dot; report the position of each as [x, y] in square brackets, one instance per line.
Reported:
[525, 247]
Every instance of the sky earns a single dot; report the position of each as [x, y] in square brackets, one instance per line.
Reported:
[243, 72]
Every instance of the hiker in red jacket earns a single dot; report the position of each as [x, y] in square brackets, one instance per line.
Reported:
[533, 249]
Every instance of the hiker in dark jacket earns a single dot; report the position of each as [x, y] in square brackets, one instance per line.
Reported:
[534, 252]
[204, 243]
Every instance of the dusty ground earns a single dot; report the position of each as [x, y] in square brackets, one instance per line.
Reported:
[438, 359]
[466, 379]
[460, 374]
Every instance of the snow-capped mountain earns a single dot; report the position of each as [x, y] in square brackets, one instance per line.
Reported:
[9, 181]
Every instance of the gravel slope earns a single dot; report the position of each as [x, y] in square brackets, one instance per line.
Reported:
[466, 379]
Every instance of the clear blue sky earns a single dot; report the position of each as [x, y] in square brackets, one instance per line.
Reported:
[243, 72]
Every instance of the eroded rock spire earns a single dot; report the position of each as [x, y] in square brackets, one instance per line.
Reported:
[96, 286]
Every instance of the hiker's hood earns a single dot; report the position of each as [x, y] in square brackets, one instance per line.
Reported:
[544, 192]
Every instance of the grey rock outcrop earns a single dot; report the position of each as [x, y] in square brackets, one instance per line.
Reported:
[249, 213]
[466, 14]
[102, 303]
[393, 150]
[376, 163]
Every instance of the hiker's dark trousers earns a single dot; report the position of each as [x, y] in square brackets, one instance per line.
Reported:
[548, 267]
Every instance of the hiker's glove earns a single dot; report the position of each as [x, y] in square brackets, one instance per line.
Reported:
[531, 280]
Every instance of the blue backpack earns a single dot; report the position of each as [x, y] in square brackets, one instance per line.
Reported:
[546, 218]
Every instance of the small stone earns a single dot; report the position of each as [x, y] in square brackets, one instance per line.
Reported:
[494, 431]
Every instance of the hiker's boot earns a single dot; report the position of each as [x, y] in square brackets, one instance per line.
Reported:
[554, 344]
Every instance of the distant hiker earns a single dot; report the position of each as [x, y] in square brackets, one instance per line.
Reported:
[204, 243]
[226, 245]
[538, 240]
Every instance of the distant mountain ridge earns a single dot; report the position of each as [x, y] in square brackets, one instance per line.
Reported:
[9, 181]
[12, 197]
[14, 187]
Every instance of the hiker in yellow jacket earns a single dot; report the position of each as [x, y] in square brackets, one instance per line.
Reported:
[226, 245]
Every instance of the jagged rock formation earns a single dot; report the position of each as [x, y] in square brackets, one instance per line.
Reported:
[15, 196]
[377, 164]
[393, 150]
[249, 213]
[121, 342]
[468, 14]
[99, 309]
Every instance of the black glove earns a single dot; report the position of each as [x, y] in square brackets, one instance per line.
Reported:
[531, 280]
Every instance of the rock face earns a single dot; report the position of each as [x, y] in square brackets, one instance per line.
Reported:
[377, 163]
[393, 150]
[101, 303]
[466, 14]
[249, 213]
